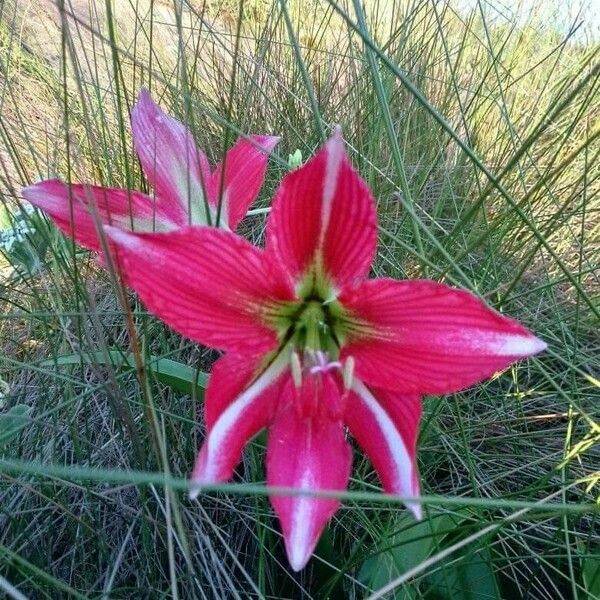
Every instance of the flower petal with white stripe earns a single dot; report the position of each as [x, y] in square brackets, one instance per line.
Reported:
[308, 454]
[236, 411]
[323, 226]
[386, 427]
[423, 337]
[79, 210]
[206, 283]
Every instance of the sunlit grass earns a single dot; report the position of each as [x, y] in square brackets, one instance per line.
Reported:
[479, 138]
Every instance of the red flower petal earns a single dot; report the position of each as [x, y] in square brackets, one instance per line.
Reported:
[208, 284]
[174, 166]
[309, 454]
[73, 207]
[324, 216]
[229, 376]
[386, 426]
[245, 167]
[237, 408]
[427, 338]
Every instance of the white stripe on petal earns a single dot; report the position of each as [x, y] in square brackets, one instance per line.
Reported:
[494, 343]
[302, 537]
[395, 444]
[123, 238]
[231, 415]
[335, 153]
[517, 345]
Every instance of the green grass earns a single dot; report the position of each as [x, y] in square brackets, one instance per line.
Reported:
[480, 140]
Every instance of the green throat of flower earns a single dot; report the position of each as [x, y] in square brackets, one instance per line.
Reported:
[316, 322]
[315, 328]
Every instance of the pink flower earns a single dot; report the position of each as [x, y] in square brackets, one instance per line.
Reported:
[186, 192]
[311, 346]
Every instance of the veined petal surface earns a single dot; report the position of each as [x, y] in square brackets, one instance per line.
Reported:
[239, 403]
[229, 376]
[208, 284]
[75, 209]
[386, 426]
[177, 170]
[240, 176]
[424, 337]
[309, 454]
[323, 220]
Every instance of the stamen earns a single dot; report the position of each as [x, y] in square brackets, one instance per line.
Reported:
[296, 368]
[348, 373]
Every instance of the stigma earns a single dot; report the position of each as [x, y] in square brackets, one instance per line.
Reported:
[315, 363]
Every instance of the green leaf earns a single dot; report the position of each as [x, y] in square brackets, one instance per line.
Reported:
[13, 422]
[407, 548]
[471, 578]
[176, 375]
[591, 576]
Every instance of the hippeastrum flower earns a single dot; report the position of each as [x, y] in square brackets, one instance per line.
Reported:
[186, 191]
[312, 347]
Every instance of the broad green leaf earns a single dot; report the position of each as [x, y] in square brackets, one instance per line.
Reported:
[470, 578]
[407, 548]
[176, 375]
[591, 576]
[13, 422]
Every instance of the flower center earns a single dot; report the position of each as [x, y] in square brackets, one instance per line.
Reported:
[312, 330]
[311, 325]
[320, 384]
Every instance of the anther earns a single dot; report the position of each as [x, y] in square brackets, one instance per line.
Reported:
[348, 373]
[296, 369]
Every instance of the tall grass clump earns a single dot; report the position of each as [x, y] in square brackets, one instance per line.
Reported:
[478, 133]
